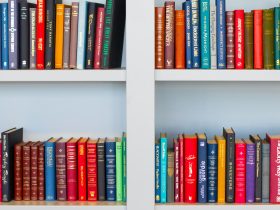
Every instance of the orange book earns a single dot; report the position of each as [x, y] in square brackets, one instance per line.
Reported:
[180, 42]
[159, 37]
[59, 36]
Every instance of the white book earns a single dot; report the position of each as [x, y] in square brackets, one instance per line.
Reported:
[213, 41]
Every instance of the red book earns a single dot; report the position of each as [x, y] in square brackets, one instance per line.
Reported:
[18, 171]
[258, 39]
[181, 167]
[190, 150]
[240, 171]
[1, 171]
[41, 172]
[176, 169]
[82, 169]
[34, 171]
[26, 171]
[71, 161]
[98, 37]
[92, 170]
[40, 34]
[239, 39]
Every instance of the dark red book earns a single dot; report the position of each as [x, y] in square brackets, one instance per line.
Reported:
[240, 171]
[181, 167]
[230, 39]
[41, 172]
[40, 34]
[1, 171]
[239, 39]
[190, 154]
[82, 169]
[258, 39]
[34, 171]
[26, 171]
[18, 171]
[92, 170]
[176, 171]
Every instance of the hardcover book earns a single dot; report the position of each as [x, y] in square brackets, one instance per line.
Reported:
[195, 36]
[188, 22]
[230, 40]
[258, 39]
[98, 37]
[159, 37]
[202, 168]
[176, 170]
[124, 166]
[268, 39]
[240, 171]
[32, 42]
[101, 170]
[110, 157]
[119, 170]
[239, 39]
[92, 170]
[40, 34]
[212, 170]
[170, 177]
[265, 171]
[205, 34]
[180, 37]
[18, 171]
[26, 171]
[249, 40]
[4, 37]
[181, 168]
[41, 172]
[59, 36]
[82, 172]
[1, 171]
[213, 41]
[277, 37]
[163, 168]
[34, 170]
[66, 35]
[74, 35]
[221, 33]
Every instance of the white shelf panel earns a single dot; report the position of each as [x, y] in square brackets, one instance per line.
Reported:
[217, 75]
[62, 75]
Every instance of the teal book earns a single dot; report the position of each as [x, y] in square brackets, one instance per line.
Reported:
[205, 34]
[119, 170]
[163, 168]
[124, 166]
[277, 37]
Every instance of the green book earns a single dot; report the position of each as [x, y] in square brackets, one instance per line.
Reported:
[124, 166]
[277, 37]
[119, 169]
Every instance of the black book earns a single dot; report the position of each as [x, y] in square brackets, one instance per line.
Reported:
[9, 139]
[229, 135]
[101, 170]
[50, 33]
[113, 37]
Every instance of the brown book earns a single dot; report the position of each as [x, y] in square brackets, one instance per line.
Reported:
[74, 35]
[180, 40]
[159, 37]
[18, 171]
[169, 34]
[249, 40]
[66, 41]
[41, 172]
[26, 171]
[230, 39]
[34, 171]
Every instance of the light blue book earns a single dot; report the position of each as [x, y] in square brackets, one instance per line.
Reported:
[163, 169]
[5, 36]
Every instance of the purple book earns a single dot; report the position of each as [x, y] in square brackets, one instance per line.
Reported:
[250, 170]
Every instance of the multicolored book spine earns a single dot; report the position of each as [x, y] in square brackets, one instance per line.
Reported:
[188, 16]
[195, 35]
[221, 33]
[202, 168]
[205, 34]
[5, 36]
[163, 168]
[277, 37]
[212, 171]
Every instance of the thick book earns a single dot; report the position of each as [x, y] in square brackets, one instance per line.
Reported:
[169, 35]
[82, 166]
[119, 170]
[18, 171]
[250, 170]
[34, 171]
[157, 171]
[159, 37]
[213, 32]
[74, 35]
[4, 37]
[221, 33]
[170, 177]
[268, 38]
[101, 172]
[26, 171]
[258, 39]
[59, 36]
[98, 38]
[124, 163]
[195, 35]
[66, 35]
[202, 168]
[110, 159]
[92, 169]
[181, 168]
[180, 37]
[249, 40]
[239, 39]
[277, 37]
[205, 34]
[190, 153]
[176, 170]
[188, 23]
[163, 167]
[265, 171]
[240, 171]
[41, 172]
[32, 37]
[40, 34]
[9, 139]
[230, 39]
[212, 171]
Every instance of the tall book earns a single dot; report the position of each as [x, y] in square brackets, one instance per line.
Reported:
[176, 170]
[159, 37]
[119, 169]
[74, 35]
[34, 170]
[170, 177]
[213, 32]
[82, 169]
[190, 153]
[18, 171]
[180, 37]
[66, 35]
[202, 168]
[98, 37]
[110, 157]
[239, 39]
[169, 35]
[32, 42]
[195, 35]
[205, 34]
[230, 40]
[240, 171]
[26, 171]
[163, 168]
[1, 171]
[181, 168]
[268, 39]
[40, 34]
[212, 171]
[221, 33]
[265, 171]
[249, 40]
[59, 36]
[0, 37]
[124, 166]
[258, 39]
[101, 170]
[113, 33]
[41, 172]
[92, 169]
[250, 170]
[4, 37]
[277, 37]
[188, 23]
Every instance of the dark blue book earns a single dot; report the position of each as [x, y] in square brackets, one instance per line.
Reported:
[195, 35]
[110, 156]
[202, 169]
[188, 16]
[4, 36]
[212, 170]
[157, 172]
[221, 33]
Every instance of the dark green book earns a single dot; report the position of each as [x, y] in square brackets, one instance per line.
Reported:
[249, 40]
[277, 37]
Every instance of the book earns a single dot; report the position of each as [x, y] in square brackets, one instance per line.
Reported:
[41, 172]
[213, 43]
[170, 177]
[159, 37]
[113, 38]
[66, 35]
[249, 40]
[176, 170]
[190, 153]
[26, 171]
[9, 138]
[101, 170]
[98, 37]
[258, 39]
[239, 39]
[265, 170]
[240, 171]
[181, 168]
[1, 171]
[34, 170]
[212, 170]
[221, 168]
[4, 37]
[230, 39]
[277, 37]
[163, 168]
[110, 158]
[205, 33]
[195, 35]
[18, 171]
[188, 24]
[221, 33]
[40, 34]
[124, 166]
[250, 170]
[180, 37]
[82, 169]
[32, 42]
[169, 35]
[59, 36]
[74, 35]
[202, 168]
[0, 37]
[268, 40]
[92, 169]
[119, 170]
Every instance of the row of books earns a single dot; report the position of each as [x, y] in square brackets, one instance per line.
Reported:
[223, 170]
[204, 35]
[61, 169]
[52, 35]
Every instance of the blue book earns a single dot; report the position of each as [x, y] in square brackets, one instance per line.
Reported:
[195, 35]
[110, 157]
[205, 34]
[212, 170]
[50, 170]
[188, 16]
[163, 168]
[5, 36]
[157, 172]
[202, 169]
[221, 34]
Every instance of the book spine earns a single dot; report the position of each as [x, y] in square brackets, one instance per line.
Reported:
[40, 34]
[239, 39]
[59, 36]
[1, 171]
[177, 173]
[169, 34]
[92, 171]
[221, 170]
[99, 37]
[249, 40]
[18, 172]
[34, 172]
[6, 191]
[250, 173]
[212, 171]
[119, 175]
[71, 160]
[180, 37]
[61, 171]
[24, 35]
[258, 39]
[265, 172]
[50, 184]
[268, 39]
[5, 37]
[26, 173]
[188, 22]
[66, 35]
[163, 170]
[170, 178]
[274, 171]
[205, 34]
[41, 172]
[221, 33]
[195, 36]
[230, 39]
[159, 37]
[13, 34]
[101, 172]
[74, 35]
[277, 37]
[32, 42]
[124, 168]
[110, 148]
[230, 167]
[258, 192]
[181, 170]
[240, 178]
[157, 173]
[0, 37]
[213, 41]
[82, 178]
[202, 171]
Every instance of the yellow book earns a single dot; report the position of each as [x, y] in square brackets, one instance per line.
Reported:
[221, 168]
[59, 31]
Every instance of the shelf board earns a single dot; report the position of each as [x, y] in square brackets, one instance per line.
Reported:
[63, 76]
[218, 75]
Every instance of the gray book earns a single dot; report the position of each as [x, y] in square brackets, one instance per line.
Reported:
[265, 171]
[66, 41]
[32, 47]
[170, 177]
